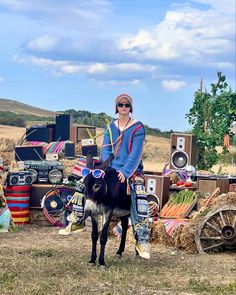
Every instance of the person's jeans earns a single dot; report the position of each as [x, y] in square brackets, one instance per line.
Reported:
[139, 212]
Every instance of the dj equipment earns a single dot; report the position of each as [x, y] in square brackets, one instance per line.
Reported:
[92, 148]
[63, 126]
[45, 171]
[182, 150]
[209, 184]
[19, 178]
[70, 150]
[43, 133]
[158, 185]
[25, 153]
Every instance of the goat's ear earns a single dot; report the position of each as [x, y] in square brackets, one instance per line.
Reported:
[105, 164]
[89, 160]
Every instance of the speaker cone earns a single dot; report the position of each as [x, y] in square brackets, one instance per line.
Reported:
[55, 176]
[14, 180]
[34, 175]
[179, 159]
[28, 180]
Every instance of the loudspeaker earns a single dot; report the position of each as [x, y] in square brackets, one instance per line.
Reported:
[182, 150]
[63, 127]
[92, 148]
[32, 152]
[208, 185]
[43, 133]
[37, 193]
[19, 178]
[70, 150]
[158, 185]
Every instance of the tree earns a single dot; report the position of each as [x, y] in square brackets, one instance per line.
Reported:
[211, 116]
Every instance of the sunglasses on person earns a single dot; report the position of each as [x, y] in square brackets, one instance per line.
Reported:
[126, 105]
[97, 173]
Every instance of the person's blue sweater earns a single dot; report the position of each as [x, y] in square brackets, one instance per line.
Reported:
[129, 158]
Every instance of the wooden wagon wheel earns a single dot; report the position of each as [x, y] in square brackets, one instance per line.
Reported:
[217, 232]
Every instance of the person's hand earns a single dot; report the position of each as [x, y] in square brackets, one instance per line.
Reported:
[121, 176]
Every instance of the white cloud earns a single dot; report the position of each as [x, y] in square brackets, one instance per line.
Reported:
[43, 43]
[101, 71]
[190, 34]
[135, 82]
[173, 85]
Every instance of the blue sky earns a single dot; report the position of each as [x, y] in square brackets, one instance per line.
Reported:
[81, 54]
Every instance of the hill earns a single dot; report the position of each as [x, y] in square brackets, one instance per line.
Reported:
[28, 115]
[22, 108]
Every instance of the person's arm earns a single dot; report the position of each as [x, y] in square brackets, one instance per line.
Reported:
[135, 154]
[106, 149]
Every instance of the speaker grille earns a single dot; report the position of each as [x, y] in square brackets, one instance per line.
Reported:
[179, 159]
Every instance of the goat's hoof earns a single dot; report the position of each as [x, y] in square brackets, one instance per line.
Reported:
[92, 263]
[102, 267]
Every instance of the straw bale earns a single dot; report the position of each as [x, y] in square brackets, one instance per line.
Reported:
[158, 233]
[184, 237]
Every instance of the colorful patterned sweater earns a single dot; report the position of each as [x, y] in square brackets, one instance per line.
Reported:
[129, 157]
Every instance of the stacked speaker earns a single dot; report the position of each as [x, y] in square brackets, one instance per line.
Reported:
[182, 150]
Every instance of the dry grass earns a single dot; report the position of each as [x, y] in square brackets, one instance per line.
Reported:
[36, 260]
[21, 108]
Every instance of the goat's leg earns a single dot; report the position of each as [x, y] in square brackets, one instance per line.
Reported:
[94, 236]
[103, 237]
[124, 225]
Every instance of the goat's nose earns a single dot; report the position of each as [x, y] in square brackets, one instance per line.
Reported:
[96, 187]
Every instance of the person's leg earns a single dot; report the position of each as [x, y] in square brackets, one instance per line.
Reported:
[139, 219]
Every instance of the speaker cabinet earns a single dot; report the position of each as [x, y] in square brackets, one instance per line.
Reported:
[32, 152]
[43, 133]
[182, 150]
[37, 193]
[208, 185]
[92, 148]
[158, 185]
[63, 127]
[73, 134]
[70, 150]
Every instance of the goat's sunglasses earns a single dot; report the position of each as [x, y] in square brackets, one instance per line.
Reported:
[97, 173]
[126, 105]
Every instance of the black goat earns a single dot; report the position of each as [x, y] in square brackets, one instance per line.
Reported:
[106, 196]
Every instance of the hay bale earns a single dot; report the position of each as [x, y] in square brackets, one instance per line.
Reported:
[184, 238]
[158, 234]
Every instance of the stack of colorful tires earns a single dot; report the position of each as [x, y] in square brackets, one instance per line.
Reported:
[18, 198]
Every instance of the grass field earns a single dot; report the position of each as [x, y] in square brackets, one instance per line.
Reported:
[36, 260]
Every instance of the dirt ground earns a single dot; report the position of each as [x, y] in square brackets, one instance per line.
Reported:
[36, 260]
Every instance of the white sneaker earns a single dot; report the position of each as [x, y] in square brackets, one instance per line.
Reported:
[143, 250]
[65, 231]
[71, 229]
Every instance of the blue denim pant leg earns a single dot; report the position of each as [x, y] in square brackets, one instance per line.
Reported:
[139, 223]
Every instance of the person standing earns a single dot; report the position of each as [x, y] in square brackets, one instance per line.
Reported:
[124, 137]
